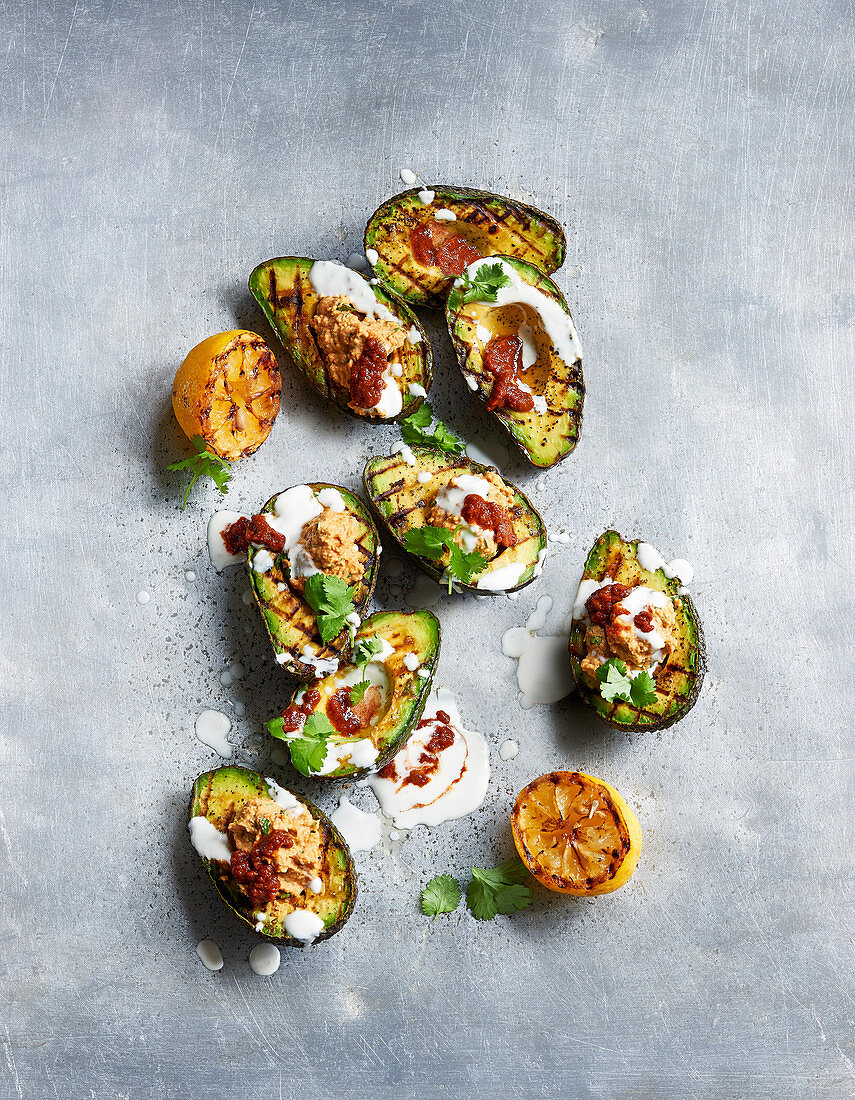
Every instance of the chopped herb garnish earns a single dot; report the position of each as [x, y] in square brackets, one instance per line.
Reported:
[433, 542]
[441, 895]
[332, 601]
[265, 826]
[489, 278]
[416, 430]
[203, 464]
[365, 650]
[309, 748]
[616, 683]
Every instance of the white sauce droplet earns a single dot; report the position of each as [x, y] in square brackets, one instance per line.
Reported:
[426, 197]
[189, 576]
[143, 597]
[423, 477]
[212, 727]
[207, 839]
[265, 959]
[210, 955]
[372, 255]
[361, 830]
[408, 177]
[405, 451]
[499, 580]
[316, 885]
[331, 498]
[455, 789]
[416, 390]
[330, 278]
[543, 668]
[413, 335]
[445, 215]
[411, 661]
[303, 925]
[508, 750]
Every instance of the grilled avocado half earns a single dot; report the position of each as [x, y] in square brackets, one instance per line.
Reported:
[678, 678]
[290, 622]
[217, 795]
[283, 288]
[404, 686]
[492, 224]
[547, 436]
[401, 502]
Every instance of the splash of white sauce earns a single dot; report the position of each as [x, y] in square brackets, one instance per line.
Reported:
[264, 960]
[331, 498]
[543, 665]
[372, 255]
[455, 789]
[416, 390]
[330, 278]
[413, 335]
[649, 558]
[408, 177]
[391, 400]
[212, 727]
[503, 578]
[405, 451]
[508, 750]
[207, 839]
[302, 925]
[143, 597]
[282, 797]
[558, 324]
[210, 955]
[321, 666]
[638, 599]
[445, 215]
[426, 196]
[189, 576]
[316, 885]
[219, 555]
[360, 830]
[423, 477]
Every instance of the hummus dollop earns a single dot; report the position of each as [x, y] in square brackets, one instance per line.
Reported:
[620, 636]
[330, 540]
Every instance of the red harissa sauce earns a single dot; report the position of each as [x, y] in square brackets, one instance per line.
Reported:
[604, 605]
[441, 738]
[294, 717]
[254, 869]
[432, 245]
[493, 517]
[340, 714]
[503, 359]
[366, 374]
[252, 529]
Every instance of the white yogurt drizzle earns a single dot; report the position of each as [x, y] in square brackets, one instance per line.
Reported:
[372, 255]
[543, 672]
[264, 960]
[456, 788]
[649, 558]
[210, 955]
[445, 215]
[508, 750]
[415, 389]
[503, 578]
[220, 557]
[558, 325]
[302, 925]
[405, 451]
[207, 839]
[361, 830]
[408, 177]
[329, 278]
[212, 727]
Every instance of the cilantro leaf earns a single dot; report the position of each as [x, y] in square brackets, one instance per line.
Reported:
[331, 599]
[434, 542]
[309, 749]
[489, 278]
[498, 890]
[643, 690]
[416, 429]
[203, 464]
[463, 567]
[441, 895]
[265, 826]
[357, 691]
[366, 648]
[613, 680]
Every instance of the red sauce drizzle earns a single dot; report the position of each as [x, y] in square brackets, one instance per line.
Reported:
[294, 717]
[604, 604]
[495, 518]
[441, 738]
[503, 359]
[254, 869]
[238, 535]
[366, 375]
[644, 620]
[433, 245]
[340, 714]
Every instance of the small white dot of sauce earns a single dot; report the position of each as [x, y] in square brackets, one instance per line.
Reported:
[143, 597]
[189, 575]
[394, 835]
[508, 750]
[264, 959]
[210, 955]
[239, 708]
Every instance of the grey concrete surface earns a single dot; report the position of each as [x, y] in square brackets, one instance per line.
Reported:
[700, 156]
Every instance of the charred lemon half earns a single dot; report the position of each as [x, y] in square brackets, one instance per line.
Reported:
[576, 834]
[227, 391]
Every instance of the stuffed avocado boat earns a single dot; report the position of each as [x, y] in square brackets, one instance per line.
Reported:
[417, 248]
[461, 521]
[276, 860]
[309, 545]
[358, 346]
[518, 350]
[357, 718]
[636, 644]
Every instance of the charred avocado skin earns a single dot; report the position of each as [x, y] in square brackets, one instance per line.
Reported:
[217, 795]
[678, 680]
[283, 288]
[407, 632]
[492, 223]
[290, 622]
[401, 502]
[544, 439]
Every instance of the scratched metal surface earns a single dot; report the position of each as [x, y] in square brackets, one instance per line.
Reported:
[700, 156]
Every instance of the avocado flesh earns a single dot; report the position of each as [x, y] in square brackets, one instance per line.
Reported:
[283, 289]
[494, 224]
[678, 679]
[290, 622]
[543, 439]
[401, 503]
[407, 632]
[217, 795]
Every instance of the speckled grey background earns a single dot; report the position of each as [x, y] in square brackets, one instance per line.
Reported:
[700, 156]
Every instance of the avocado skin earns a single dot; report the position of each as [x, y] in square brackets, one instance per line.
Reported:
[339, 646]
[429, 625]
[377, 467]
[608, 548]
[525, 428]
[242, 784]
[486, 210]
[281, 287]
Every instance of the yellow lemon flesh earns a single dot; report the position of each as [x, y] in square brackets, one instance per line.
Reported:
[227, 391]
[576, 834]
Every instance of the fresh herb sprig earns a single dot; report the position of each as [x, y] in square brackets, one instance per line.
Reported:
[489, 279]
[203, 464]
[417, 431]
[365, 650]
[616, 683]
[331, 599]
[433, 542]
[441, 895]
[309, 749]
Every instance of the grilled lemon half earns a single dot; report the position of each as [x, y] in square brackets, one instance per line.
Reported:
[576, 834]
[227, 391]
